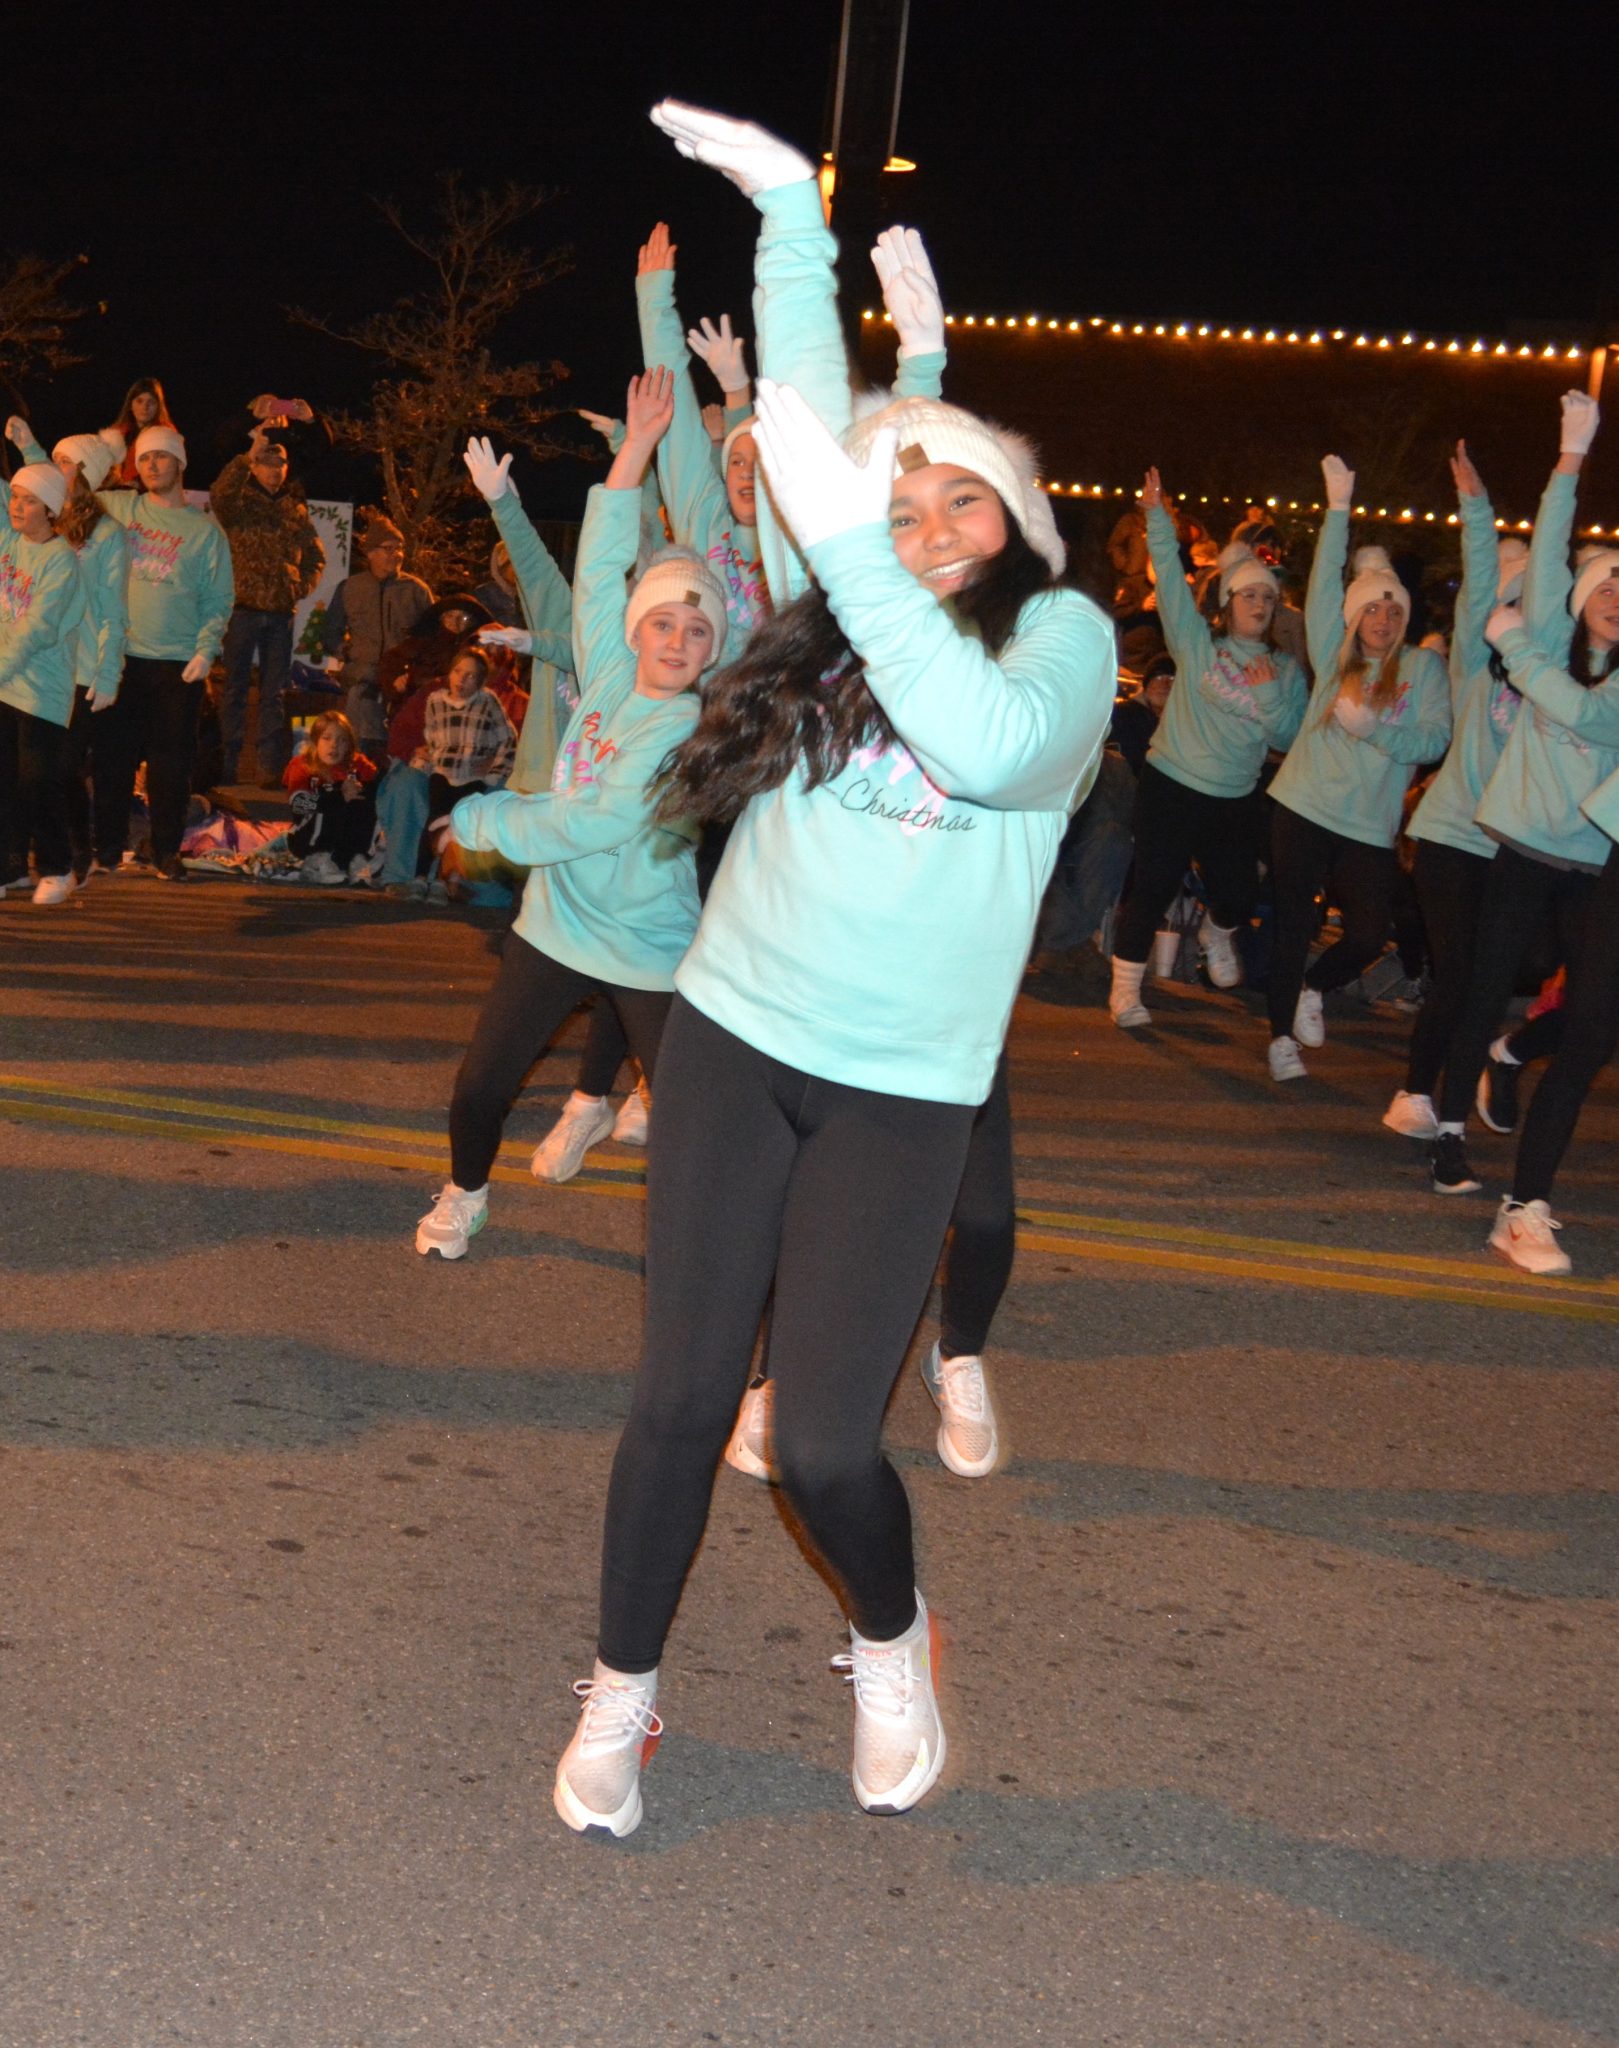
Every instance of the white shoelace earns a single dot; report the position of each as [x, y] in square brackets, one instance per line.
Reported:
[961, 1384]
[454, 1206]
[1534, 1226]
[613, 1715]
[882, 1680]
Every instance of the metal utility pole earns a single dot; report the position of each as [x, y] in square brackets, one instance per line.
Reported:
[864, 124]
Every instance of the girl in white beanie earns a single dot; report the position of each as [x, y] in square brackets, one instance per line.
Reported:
[1378, 710]
[1236, 697]
[610, 903]
[86, 461]
[1454, 852]
[900, 748]
[1560, 649]
[41, 603]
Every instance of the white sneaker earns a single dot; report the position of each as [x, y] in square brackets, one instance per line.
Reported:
[585, 1121]
[321, 868]
[752, 1446]
[365, 867]
[1413, 1116]
[1124, 1004]
[629, 1126]
[1523, 1234]
[598, 1783]
[1309, 1024]
[968, 1441]
[899, 1745]
[1285, 1061]
[55, 888]
[454, 1220]
[1218, 945]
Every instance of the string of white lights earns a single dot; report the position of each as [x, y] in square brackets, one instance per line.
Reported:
[1404, 515]
[1318, 337]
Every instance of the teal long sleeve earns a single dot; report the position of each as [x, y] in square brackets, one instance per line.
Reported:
[542, 589]
[1562, 749]
[103, 632]
[41, 605]
[180, 588]
[1589, 713]
[1475, 599]
[1324, 600]
[1548, 577]
[693, 495]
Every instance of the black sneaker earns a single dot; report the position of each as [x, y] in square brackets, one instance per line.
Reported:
[1451, 1173]
[1498, 1094]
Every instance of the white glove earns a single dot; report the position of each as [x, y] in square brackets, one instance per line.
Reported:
[1340, 481]
[507, 636]
[101, 699]
[818, 490]
[1505, 619]
[333, 664]
[1358, 720]
[195, 669]
[910, 291]
[723, 351]
[18, 431]
[488, 475]
[1581, 418]
[752, 158]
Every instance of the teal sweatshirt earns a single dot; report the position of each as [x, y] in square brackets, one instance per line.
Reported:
[41, 604]
[609, 892]
[873, 930]
[1217, 728]
[99, 637]
[1356, 787]
[1561, 751]
[547, 607]
[1602, 806]
[1484, 710]
[180, 585]
[1548, 580]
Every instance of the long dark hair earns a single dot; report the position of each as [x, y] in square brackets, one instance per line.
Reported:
[798, 697]
[1580, 663]
[125, 422]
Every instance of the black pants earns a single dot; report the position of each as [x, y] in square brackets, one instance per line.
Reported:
[33, 794]
[339, 825]
[532, 997]
[1590, 1032]
[1174, 825]
[983, 1229]
[442, 798]
[761, 1176]
[96, 829]
[1450, 887]
[153, 720]
[1522, 897]
[1307, 860]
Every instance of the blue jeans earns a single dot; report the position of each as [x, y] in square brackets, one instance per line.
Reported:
[265, 638]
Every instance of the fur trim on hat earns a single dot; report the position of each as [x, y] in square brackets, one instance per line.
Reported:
[1241, 569]
[1370, 560]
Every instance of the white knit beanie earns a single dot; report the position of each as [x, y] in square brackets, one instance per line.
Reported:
[1374, 586]
[94, 453]
[1369, 560]
[1512, 561]
[1241, 569]
[44, 481]
[676, 576]
[931, 431]
[742, 427]
[1597, 569]
[160, 441]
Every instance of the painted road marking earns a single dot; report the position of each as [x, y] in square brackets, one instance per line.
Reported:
[1057, 1233]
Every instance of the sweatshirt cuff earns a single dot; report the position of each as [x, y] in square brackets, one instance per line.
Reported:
[1516, 646]
[797, 205]
[855, 551]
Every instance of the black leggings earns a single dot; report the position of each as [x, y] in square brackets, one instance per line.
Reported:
[1450, 886]
[1590, 1016]
[1521, 897]
[153, 719]
[1308, 860]
[442, 798]
[983, 1229]
[1172, 825]
[761, 1175]
[532, 997]
[33, 794]
[96, 829]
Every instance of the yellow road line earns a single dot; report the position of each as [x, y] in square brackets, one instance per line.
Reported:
[1486, 1291]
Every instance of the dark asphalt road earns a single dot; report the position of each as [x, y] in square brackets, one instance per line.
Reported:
[1281, 1694]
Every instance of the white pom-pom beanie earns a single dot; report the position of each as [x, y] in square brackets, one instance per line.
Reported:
[677, 576]
[1597, 569]
[1241, 569]
[1369, 560]
[931, 431]
[161, 441]
[742, 427]
[94, 453]
[1511, 562]
[1374, 586]
[44, 481]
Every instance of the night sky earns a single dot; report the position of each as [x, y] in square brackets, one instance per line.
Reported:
[1291, 165]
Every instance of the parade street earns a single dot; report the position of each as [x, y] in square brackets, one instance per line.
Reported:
[1281, 1707]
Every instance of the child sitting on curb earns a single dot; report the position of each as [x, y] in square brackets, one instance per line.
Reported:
[334, 803]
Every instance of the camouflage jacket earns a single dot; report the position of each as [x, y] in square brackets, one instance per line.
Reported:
[276, 555]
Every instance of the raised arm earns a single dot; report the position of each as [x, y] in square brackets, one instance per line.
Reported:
[1185, 634]
[541, 586]
[1324, 597]
[1591, 713]
[1475, 600]
[608, 539]
[21, 436]
[693, 496]
[911, 297]
[1549, 577]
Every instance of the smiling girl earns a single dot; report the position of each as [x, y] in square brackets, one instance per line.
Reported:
[611, 899]
[899, 748]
